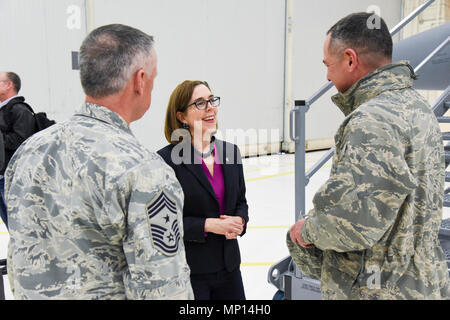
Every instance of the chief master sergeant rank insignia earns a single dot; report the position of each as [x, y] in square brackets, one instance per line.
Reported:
[162, 218]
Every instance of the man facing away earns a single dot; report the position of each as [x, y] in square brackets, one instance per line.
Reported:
[16, 125]
[93, 214]
[373, 231]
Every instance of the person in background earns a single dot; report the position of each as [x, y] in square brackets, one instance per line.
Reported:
[93, 214]
[210, 172]
[373, 231]
[16, 125]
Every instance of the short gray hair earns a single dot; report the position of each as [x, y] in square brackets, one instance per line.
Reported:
[110, 55]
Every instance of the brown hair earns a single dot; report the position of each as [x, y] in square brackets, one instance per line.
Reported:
[179, 99]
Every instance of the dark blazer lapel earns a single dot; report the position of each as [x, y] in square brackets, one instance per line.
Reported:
[226, 157]
[197, 171]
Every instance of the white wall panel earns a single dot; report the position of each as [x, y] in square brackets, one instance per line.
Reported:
[237, 46]
[36, 43]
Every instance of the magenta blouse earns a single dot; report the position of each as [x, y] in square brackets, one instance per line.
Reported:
[217, 181]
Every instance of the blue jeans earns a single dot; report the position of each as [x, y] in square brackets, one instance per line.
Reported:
[3, 212]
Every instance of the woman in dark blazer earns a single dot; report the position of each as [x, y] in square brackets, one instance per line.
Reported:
[210, 172]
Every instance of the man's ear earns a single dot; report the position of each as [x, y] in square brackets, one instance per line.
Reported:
[9, 85]
[139, 81]
[351, 57]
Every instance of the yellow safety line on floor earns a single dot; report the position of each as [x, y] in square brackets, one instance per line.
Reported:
[257, 264]
[270, 166]
[4, 233]
[278, 175]
[268, 227]
[271, 176]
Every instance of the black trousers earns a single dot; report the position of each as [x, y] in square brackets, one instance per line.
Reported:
[222, 285]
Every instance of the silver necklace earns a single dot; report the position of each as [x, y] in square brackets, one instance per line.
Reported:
[206, 154]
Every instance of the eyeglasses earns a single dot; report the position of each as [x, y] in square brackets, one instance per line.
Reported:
[203, 104]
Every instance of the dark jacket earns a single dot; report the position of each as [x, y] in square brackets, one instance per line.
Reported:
[214, 252]
[16, 124]
[2, 151]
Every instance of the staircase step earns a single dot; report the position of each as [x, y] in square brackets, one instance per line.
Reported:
[446, 200]
[445, 230]
[447, 157]
[445, 135]
[443, 119]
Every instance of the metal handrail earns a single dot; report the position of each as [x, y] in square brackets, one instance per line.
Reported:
[408, 19]
[439, 107]
[432, 54]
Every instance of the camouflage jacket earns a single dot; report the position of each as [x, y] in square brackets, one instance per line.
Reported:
[375, 221]
[94, 215]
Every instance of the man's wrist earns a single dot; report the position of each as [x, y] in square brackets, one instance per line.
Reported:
[304, 232]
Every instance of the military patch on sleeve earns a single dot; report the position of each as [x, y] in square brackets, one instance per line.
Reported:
[163, 221]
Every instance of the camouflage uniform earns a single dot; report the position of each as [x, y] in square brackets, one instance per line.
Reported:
[375, 221]
[94, 215]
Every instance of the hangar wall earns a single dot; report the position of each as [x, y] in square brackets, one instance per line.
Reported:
[36, 42]
[238, 46]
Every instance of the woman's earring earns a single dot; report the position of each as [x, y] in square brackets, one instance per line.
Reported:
[185, 126]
